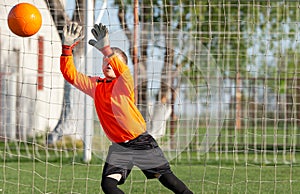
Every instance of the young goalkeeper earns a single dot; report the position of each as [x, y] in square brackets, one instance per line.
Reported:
[120, 119]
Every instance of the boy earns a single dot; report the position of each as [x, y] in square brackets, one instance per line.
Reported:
[120, 119]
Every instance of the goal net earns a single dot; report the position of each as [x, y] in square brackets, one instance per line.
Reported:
[216, 81]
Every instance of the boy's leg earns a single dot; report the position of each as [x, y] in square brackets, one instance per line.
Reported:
[110, 185]
[113, 176]
[150, 159]
[174, 184]
[116, 169]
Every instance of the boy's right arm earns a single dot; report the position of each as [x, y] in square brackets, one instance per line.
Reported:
[72, 34]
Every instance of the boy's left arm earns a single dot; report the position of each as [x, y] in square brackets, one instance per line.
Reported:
[101, 41]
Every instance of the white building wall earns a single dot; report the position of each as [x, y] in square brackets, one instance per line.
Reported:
[35, 111]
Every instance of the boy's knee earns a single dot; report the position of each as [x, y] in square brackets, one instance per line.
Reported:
[110, 185]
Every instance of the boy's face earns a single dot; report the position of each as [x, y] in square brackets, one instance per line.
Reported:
[108, 71]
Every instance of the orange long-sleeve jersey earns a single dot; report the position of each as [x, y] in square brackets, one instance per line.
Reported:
[114, 100]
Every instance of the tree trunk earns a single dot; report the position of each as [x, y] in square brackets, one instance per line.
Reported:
[60, 18]
[58, 14]
[238, 106]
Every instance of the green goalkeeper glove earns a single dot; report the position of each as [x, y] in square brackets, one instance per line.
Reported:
[72, 35]
[101, 43]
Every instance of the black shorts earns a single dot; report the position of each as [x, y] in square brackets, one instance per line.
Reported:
[142, 152]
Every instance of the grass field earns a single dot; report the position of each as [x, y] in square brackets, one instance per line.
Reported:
[70, 175]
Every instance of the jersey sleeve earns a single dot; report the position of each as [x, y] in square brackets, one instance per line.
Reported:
[83, 82]
[124, 81]
[118, 65]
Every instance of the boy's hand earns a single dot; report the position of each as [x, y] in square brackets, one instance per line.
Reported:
[72, 34]
[101, 43]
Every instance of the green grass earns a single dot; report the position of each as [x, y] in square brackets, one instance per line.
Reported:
[25, 169]
[206, 175]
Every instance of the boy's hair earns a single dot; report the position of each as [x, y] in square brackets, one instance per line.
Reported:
[121, 53]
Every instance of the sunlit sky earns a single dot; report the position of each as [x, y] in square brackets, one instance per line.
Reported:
[70, 6]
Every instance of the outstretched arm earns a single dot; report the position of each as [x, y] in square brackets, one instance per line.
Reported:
[72, 34]
[101, 43]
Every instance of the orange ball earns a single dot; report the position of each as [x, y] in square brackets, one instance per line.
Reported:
[24, 19]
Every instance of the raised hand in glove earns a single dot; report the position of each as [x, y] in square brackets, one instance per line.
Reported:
[72, 34]
[101, 43]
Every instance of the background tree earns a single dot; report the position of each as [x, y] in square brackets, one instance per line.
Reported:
[60, 18]
[227, 30]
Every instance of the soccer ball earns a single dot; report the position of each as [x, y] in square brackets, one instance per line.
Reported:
[24, 19]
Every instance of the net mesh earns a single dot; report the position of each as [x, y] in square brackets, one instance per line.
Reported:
[217, 83]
